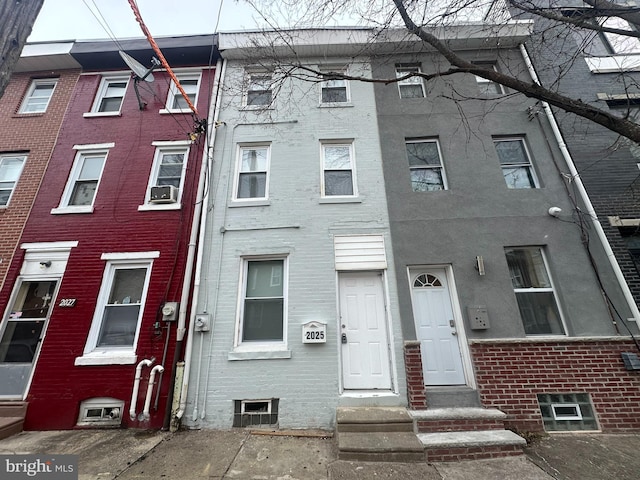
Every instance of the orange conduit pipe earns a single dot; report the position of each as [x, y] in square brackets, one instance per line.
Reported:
[163, 60]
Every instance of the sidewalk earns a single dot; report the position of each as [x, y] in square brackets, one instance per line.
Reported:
[238, 454]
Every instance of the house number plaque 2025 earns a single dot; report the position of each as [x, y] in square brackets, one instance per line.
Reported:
[67, 302]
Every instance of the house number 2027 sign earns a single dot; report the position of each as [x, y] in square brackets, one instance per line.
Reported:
[314, 332]
[67, 302]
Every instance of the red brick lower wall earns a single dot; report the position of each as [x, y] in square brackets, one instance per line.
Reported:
[510, 375]
[415, 380]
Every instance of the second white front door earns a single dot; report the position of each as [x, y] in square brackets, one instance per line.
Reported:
[436, 328]
[363, 330]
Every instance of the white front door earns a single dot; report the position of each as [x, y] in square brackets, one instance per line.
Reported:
[363, 330]
[436, 328]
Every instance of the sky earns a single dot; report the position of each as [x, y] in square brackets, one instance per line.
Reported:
[76, 19]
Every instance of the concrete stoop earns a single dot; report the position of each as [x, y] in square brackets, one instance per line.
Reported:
[11, 418]
[453, 434]
[377, 434]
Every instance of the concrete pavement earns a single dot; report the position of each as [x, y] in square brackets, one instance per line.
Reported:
[239, 454]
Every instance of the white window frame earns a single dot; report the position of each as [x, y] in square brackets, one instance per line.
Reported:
[162, 148]
[434, 167]
[402, 70]
[30, 95]
[551, 289]
[83, 151]
[616, 43]
[102, 92]
[575, 406]
[174, 92]
[328, 84]
[236, 182]
[265, 77]
[107, 355]
[261, 346]
[352, 160]
[483, 83]
[3, 158]
[527, 164]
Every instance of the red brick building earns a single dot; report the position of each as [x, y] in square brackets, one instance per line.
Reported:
[94, 292]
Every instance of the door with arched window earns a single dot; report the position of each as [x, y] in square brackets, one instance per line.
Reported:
[436, 328]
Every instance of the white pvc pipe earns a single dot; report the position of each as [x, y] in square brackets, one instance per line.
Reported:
[585, 197]
[136, 386]
[147, 399]
[213, 116]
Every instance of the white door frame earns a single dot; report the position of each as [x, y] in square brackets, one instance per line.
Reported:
[390, 337]
[463, 343]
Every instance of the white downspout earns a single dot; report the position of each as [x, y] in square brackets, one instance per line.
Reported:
[147, 399]
[213, 117]
[585, 197]
[136, 386]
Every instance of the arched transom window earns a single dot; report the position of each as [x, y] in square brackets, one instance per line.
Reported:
[425, 280]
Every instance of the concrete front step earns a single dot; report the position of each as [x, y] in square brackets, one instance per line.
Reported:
[470, 445]
[380, 447]
[373, 419]
[458, 419]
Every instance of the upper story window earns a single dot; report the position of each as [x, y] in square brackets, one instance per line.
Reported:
[516, 163]
[10, 169]
[259, 90]
[338, 170]
[412, 86]
[169, 166]
[252, 178]
[110, 95]
[334, 89]
[176, 103]
[425, 165]
[619, 44]
[84, 178]
[262, 315]
[118, 313]
[488, 87]
[38, 96]
[534, 291]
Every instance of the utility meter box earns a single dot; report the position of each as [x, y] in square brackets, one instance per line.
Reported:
[478, 317]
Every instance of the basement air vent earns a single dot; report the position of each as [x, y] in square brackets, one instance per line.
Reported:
[255, 413]
[101, 412]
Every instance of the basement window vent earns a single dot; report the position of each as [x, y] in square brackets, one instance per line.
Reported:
[567, 411]
[102, 411]
[255, 413]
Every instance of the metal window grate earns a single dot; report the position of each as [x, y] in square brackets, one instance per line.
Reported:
[567, 411]
[255, 413]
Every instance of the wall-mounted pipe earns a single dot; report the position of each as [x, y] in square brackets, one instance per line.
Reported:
[147, 398]
[136, 386]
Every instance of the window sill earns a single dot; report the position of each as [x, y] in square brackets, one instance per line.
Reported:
[169, 111]
[614, 63]
[250, 203]
[28, 114]
[258, 354]
[107, 357]
[257, 107]
[101, 114]
[335, 105]
[340, 200]
[66, 210]
[161, 206]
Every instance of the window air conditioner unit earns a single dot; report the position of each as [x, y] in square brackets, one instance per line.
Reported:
[164, 194]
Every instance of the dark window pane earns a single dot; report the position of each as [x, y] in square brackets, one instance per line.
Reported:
[252, 185]
[338, 183]
[334, 95]
[110, 104]
[20, 341]
[118, 325]
[423, 153]
[83, 193]
[426, 179]
[539, 313]
[518, 177]
[259, 97]
[411, 91]
[263, 319]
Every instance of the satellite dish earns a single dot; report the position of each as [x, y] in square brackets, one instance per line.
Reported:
[137, 68]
